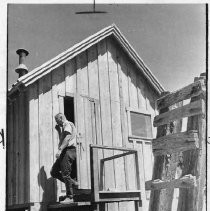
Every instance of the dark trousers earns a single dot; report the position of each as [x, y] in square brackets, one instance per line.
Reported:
[62, 168]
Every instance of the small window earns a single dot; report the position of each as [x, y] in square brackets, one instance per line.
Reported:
[140, 125]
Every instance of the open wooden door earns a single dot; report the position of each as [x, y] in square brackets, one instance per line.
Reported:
[88, 128]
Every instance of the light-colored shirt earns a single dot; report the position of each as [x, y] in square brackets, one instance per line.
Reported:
[67, 128]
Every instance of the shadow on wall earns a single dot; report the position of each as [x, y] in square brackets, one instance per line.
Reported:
[49, 188]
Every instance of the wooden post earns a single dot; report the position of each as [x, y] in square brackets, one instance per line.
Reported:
[158, 165]
[164, 167]
[194, 162]
[94, 174]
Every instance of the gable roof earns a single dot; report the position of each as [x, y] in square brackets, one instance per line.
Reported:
[60, 59]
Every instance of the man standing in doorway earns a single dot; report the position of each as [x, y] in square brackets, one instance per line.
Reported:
[66, 155]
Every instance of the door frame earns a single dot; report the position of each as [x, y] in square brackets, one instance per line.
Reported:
[61, 96]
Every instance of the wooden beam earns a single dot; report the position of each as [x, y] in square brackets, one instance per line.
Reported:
[119, 192]
[117, 156]
[175, 143]
[20, 206]
[112, 148]
[94, 174]
[120, 199]
[120, 195]
[187, 181]
[191, 109]
[73, 204]
[187, 92]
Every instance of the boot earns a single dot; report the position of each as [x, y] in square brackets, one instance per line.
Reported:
[67, 200]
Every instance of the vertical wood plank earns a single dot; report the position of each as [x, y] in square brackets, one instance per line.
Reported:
[34, 143]
[143, 169]
[58, 86]
[10, 175]
[8, 146]
[82, 89]
[88, 136]
[105, 111]
[14, 155]
[45, 138]
[99, 141]
[21, 146]
[141, 92]
[115, 113]
[201, 195]
[133, 103]
[26, 151]
[93, 121]
[94, 174]
[83, 171]
[16, 151]
[112, 206]
[93, 72]
[133, 87]
[122, 206]
[70, 75]
[82, 74]
[113, 73]
[124, 102]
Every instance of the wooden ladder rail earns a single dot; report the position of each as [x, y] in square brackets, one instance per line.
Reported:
[193, 139]
[97, 194]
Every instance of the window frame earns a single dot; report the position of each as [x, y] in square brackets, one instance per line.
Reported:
[143, 112]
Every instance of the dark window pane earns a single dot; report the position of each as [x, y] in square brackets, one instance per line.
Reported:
[141, 125]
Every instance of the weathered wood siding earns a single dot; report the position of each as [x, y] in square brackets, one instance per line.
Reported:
[105, 83]
[17, 156]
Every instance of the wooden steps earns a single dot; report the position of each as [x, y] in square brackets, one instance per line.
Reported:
[129, 195]
[20, 207]
[57, 205]
[82, 195]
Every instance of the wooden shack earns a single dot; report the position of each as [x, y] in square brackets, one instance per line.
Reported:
[101, 85]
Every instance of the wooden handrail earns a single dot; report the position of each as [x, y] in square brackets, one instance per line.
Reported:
[97, 195]
[117, 156]
[112, 148]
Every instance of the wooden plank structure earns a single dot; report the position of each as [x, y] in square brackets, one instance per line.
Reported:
[192, 144]
[103, 86]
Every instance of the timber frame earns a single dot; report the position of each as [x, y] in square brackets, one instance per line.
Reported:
[192, 143]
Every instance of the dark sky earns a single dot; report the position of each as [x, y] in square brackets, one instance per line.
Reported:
[169, 38]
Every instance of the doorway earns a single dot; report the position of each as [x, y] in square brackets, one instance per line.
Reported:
[70, 116]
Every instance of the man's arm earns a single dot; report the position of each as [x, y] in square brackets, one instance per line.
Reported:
[66, 141]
